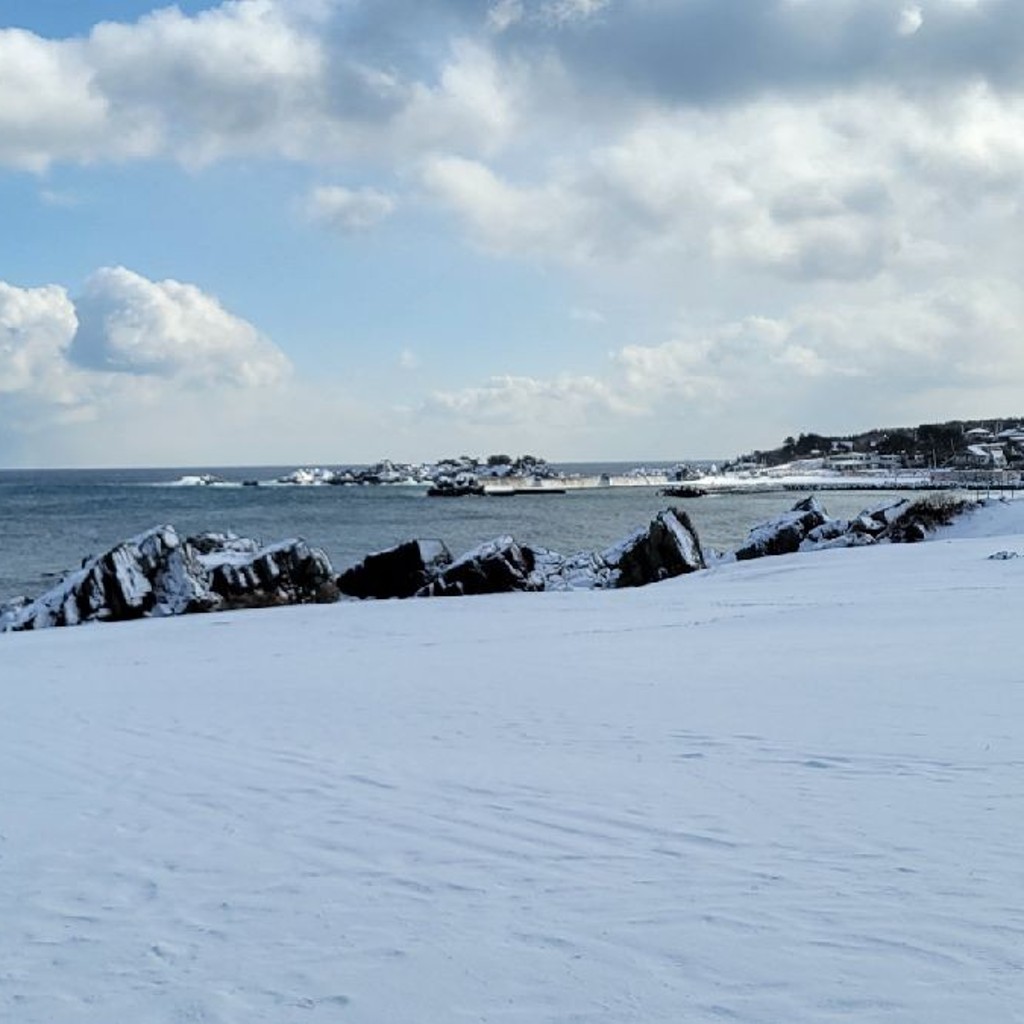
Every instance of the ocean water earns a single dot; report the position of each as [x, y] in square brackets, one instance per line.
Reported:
[50, 520]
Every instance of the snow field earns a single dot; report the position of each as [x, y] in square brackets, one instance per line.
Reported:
[788, 790]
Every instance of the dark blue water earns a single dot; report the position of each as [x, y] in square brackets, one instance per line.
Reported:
[51, 520]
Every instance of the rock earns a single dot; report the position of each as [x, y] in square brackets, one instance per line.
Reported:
[668, 547]
[888, 512]
[158, 574]
[830, 530]
[586, 570]
[911, 533]
[784, 535]
[290, 572]
[895, 520]
[151, 574]
[400, 571]
[496, 567]
[846, 540]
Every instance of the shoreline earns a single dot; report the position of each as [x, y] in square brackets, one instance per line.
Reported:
[678, 804]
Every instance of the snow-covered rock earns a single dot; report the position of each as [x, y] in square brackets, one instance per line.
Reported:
[496, 567]
[396, 572]
[808, 527]
[289, 572]
[157, 574]
[668, 547]
[784, 534]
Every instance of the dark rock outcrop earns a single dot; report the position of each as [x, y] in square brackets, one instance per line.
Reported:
[499, 566]
[290, 572]
[400, 571]
[807, 527]
[784, 534]
[158, 574]
[668, 547]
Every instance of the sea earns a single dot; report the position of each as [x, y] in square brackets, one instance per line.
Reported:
[50, 520]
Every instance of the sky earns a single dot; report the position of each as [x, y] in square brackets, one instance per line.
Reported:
[290, 231]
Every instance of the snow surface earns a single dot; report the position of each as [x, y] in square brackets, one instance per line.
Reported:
[788, 790]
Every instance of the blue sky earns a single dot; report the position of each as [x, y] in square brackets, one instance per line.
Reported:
[337, 230]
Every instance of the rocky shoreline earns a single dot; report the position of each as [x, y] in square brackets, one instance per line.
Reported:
[158, 573]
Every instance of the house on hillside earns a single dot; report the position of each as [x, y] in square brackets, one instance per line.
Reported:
[981, 456]
[978, 435]
[846, 461]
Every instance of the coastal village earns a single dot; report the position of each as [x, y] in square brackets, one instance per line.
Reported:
[956, 445]
[957, 454]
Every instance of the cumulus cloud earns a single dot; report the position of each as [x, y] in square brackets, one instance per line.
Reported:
[36, 327]
[348, 210]
[869, 362]
[793, 176]
[132, 365]
[129, 324]
[61, 352]
[910, 21]
[52, 109]
[246, 77]
[805, 189]
[322, 81]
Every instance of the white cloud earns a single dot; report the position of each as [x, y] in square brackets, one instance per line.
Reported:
[36, 327]
[563, 11]
[797, 196]
[239, 77]
[129, 324]
[825, 367]
[139, 371]
[246, 77]
[504, 14]
[408, 360]
[52, 109]
[551, 220]
[520, 400]
[475, 104]
[349, 210]
[807, 189]
[63, 200]
[910, 21]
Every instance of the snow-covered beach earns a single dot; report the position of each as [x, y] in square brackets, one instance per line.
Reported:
[786, 790]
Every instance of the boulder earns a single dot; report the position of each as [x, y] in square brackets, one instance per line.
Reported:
[586, 570]
[830, 530]
[668, 547]
[784, 534]
[400, 571]
[154, 573]
[158, 574]
[496, 567]
[289, 572]
[888, 512]
[895, 521]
